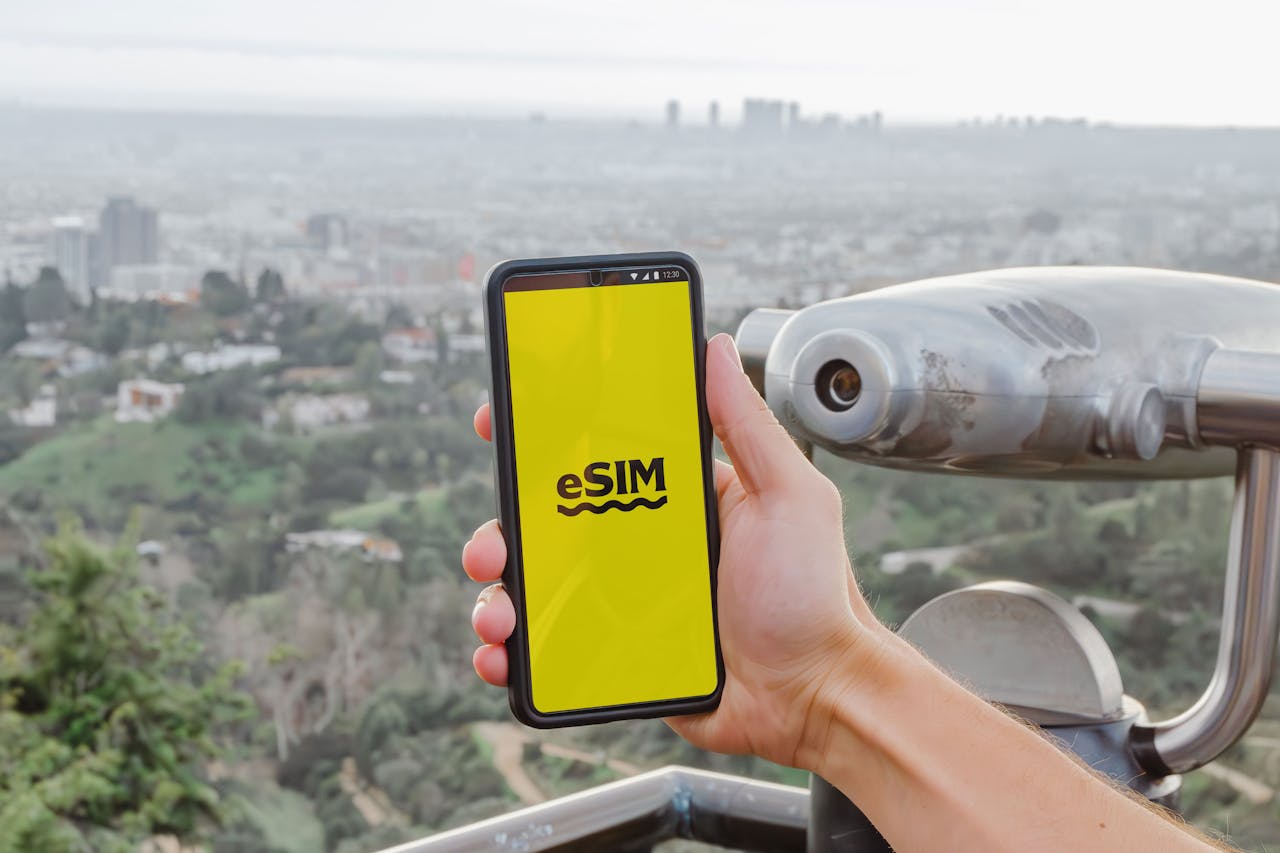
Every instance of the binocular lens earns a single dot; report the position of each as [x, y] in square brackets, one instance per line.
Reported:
[838, 384]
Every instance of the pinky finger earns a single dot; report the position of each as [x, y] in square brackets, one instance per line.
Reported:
[491, 664]
[483, 422]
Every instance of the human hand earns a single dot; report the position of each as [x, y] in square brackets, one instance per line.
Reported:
[789, 608]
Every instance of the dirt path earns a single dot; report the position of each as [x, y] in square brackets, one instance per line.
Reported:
[1250, 788]
[508, 743]
[624, 768]
[938, 559]
[508, 751]
[374, 806]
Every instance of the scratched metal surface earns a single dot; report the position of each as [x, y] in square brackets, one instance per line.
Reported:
[1020, 372]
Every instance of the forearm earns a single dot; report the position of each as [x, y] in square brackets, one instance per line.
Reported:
[934, 767]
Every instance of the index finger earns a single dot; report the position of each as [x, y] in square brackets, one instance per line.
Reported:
[483, 423]
[764, 457]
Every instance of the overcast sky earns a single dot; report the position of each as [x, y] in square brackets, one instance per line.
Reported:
[1145, 61]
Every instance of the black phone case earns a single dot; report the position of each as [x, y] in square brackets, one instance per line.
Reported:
[519, 690]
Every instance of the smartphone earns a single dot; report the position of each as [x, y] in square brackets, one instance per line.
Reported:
[605, 487]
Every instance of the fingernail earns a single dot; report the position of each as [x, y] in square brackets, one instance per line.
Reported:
[728, 349]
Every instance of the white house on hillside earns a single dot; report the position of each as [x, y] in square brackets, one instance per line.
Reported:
[145, 400]
[368, 546]
[68, 358]
[307, 412]
[411, 345]
[40, 412]
[230, 357]
[461, 343]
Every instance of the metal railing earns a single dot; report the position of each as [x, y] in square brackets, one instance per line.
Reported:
[637, 813]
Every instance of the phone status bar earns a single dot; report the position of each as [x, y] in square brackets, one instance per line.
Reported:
[594, 278]
[641, 275]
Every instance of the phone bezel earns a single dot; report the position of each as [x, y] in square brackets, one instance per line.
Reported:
[520, 692]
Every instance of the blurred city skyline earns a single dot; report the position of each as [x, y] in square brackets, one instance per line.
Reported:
[918, 61]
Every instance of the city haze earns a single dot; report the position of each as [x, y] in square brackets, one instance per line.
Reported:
[1142, 62]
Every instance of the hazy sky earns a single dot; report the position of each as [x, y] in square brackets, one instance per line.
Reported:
[1161, 61]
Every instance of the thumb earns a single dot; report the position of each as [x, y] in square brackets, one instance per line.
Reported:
[764, 456]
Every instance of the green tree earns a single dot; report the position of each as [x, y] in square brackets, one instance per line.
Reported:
[398, 316]
[427, 563]
[442, 342]
[918, 584]
[270, 285]
[112, 334]
[108, 711]
[13, 316]
[1113, 532]
[322, 334]
[47, 299]
[20, 380]
[1147, 634]
[221, 295]
[226, 395]
[369, 364]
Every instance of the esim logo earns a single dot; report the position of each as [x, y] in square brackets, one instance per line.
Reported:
[622, 477]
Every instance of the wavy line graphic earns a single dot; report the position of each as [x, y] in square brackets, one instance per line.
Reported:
[600, 509]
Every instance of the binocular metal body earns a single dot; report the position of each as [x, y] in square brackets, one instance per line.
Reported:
[1044, 373]
[1056, 373]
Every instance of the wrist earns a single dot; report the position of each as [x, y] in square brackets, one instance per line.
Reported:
[864, 662]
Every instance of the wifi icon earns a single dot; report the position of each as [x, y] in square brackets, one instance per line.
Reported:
[634, 275]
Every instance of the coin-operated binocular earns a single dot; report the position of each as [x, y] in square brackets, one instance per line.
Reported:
[1056, 373]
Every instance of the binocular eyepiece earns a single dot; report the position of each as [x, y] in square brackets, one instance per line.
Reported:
[1064, 372]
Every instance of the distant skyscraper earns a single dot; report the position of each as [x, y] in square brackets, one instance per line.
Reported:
[793, 114]
[713, 114]
[127, 234]
[761, 116]
[673, 113]
[69, 252]
[327, 231]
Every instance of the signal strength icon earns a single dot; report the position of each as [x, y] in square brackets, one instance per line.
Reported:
[633, 275]
[646, 277]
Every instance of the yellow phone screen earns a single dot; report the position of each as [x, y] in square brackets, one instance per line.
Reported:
[610, 494]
